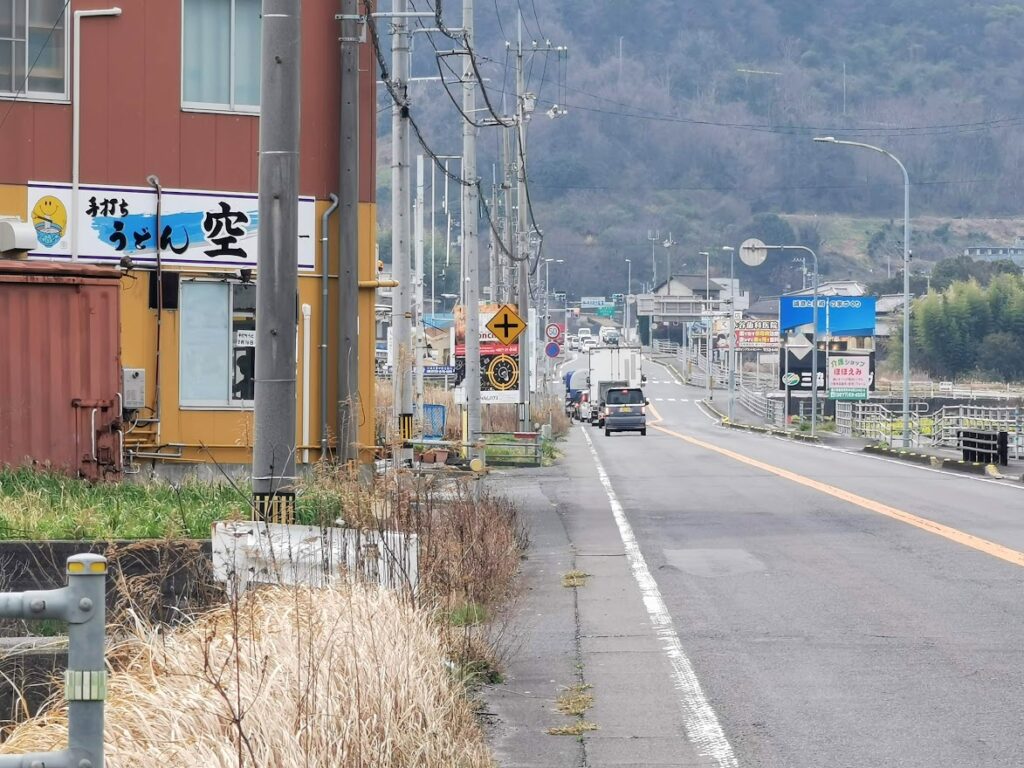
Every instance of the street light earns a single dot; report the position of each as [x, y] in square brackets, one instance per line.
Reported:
[814, 325]
[732, 327]
[625, 302]
[906, 272]
[669, 242]
[706, 317]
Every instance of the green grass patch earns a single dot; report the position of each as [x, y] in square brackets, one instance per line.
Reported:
[41, 505]
[468, 614]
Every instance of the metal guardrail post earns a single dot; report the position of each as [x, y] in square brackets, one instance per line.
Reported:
[82, 604]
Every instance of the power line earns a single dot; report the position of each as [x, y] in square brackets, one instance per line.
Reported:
[772, 188]
[28, 74]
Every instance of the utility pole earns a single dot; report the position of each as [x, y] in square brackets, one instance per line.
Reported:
[493, 246]
[420, 328]
[273, 465]
[469, 237]
[401, 204]
[654, 237]
[522, 250]
[348, 228]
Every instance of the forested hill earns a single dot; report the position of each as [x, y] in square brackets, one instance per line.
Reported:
[706, 120]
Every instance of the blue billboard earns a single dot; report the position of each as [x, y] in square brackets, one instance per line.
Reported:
[837, 315]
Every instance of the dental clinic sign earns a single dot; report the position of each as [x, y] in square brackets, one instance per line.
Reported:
[196, 228]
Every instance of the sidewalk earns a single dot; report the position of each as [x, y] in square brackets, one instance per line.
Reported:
[598, 634]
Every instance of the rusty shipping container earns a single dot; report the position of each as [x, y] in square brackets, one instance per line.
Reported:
[60, 367]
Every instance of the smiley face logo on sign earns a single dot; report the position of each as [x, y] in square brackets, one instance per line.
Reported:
[50, 219]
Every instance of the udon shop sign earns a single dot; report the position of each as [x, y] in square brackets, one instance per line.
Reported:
[197, 228]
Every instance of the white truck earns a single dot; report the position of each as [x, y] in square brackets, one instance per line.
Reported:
[610, 367]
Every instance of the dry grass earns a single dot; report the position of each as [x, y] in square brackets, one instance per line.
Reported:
[575, 729]
[574, 578]
[352, 677]
[575, 701]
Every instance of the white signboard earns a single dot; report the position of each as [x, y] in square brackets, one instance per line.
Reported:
[245, 338]
[592, 302]
[247, 553]
[849, 376]
[211, 229]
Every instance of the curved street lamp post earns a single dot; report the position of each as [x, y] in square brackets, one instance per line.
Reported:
[906, 272]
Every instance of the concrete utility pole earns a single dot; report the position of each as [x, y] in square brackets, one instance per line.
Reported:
[418, 313]
[273, 465]
[522, 250]
[469, 237]
[348, 250]
[401, 235]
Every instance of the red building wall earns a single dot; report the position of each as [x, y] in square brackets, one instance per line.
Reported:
[132, 124]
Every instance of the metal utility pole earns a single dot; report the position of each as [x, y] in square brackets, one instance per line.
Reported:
[906, 272]
[654, 237]
[273, 465]
[401, 235]
[469, 237]
[348, 250]
[732, 327]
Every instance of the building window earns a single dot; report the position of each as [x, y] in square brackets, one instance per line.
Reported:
[220, 55]
[33, 49]
[218, 344]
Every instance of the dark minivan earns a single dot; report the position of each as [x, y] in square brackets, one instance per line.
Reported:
[625, 411]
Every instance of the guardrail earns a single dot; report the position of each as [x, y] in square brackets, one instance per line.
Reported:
[82, 604]
[522, 449]
[662, 347]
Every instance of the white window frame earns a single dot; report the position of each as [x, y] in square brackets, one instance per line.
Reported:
[43, 96]
[227, 404]
[231, 108]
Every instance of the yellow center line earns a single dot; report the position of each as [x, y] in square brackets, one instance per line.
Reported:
[945, 531]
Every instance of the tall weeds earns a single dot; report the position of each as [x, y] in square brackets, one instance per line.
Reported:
[352, 676]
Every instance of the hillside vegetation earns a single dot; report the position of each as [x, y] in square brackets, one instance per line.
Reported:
[706, 122]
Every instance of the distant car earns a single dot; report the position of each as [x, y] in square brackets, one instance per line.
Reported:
[588, 344]
[625, 410]
[573, 341]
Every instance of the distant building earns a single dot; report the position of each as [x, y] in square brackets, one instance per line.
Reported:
[690, 285]
[888, 314]
[731, 291]
[834, 288]
[1014, 253]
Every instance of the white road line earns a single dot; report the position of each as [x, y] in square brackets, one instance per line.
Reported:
[659, 399]
[702, 727]
[671, 399]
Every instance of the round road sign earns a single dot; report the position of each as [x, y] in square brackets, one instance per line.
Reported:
[753, 252]
[552, 349]
[552, 331]
[503, 373]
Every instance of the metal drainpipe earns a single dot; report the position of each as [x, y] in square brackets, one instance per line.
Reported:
[154, 181]
[324, 317]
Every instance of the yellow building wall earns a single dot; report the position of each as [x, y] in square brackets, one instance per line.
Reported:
[14, 201]
[226, 435]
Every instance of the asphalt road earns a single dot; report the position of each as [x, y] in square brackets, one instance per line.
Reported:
[760, 602]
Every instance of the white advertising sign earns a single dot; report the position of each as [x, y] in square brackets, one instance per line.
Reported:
[849, 376]
[211, 229]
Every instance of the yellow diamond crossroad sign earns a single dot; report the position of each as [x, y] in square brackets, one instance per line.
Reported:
[506, 325]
